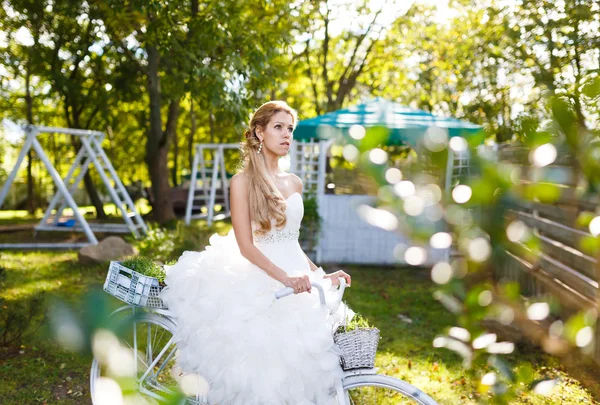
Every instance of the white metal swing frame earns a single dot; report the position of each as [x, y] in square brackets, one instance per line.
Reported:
[216, 169]
[91, 152]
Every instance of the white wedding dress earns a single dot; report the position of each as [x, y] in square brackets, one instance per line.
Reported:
[252, 348]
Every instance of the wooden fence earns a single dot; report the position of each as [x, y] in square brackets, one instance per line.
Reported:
[560, 268]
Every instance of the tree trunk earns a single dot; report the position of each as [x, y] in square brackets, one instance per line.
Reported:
[211, 124]
[175, 170]
[30, 197]
[193, 128]
[157, 144]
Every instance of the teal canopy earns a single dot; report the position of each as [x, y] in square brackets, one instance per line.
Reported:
[405, 125]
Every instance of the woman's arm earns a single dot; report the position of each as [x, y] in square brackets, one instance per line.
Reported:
[240, 219]
[313, 266]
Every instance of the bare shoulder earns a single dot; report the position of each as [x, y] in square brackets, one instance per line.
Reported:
[239, 182]
[298, 184]
[239, 178]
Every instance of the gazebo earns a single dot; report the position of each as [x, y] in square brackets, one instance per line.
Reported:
[345, 237]
[405, 125]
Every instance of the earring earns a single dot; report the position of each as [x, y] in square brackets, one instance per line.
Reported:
[260, 147]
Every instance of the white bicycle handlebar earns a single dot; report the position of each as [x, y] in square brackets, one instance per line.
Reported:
[289, 290]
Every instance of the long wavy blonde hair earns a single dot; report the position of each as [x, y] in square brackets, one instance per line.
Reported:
[266, 202]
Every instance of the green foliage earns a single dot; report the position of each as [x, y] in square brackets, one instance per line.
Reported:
[358, 321]
[311, 224]
[146, 267]
[20, 319]
[158, 244]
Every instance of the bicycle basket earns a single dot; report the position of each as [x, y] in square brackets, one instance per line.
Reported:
[132, 287]
[359, 347]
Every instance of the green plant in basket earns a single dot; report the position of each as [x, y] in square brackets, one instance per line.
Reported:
[357, 322]
[145, 266]
[358, 340]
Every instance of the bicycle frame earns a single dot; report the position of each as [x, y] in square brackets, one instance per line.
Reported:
[350, 379]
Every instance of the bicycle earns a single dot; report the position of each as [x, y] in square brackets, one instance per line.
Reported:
[150, 335]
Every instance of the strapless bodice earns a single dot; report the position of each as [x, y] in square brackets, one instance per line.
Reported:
[294, 212]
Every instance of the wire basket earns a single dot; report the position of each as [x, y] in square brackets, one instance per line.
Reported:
[132, 287]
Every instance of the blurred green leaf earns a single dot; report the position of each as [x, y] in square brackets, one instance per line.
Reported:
[574, 325]
[544, 192]
[592, 88]
[584, 218]
[525, 373]
[375, 137]
[511, 290]
[589, 245]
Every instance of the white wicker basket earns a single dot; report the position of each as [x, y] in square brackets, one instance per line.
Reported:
[359, 347]
[132, 287]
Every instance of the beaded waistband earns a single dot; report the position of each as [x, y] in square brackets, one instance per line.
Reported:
[278, 236]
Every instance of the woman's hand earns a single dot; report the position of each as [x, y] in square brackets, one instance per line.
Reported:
[335, 277]
[299, 284]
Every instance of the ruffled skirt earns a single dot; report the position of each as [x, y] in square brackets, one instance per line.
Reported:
[251, 348]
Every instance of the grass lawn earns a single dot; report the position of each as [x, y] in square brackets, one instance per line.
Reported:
[36, 370]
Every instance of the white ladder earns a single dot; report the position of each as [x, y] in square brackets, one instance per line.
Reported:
[214, 178]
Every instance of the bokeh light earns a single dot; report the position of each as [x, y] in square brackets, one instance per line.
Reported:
[485, 298]
[516, 231]
[378, 217]
[107, 392]
[415, 256]
[585, 336]
[431, 194]
[595, 226]
[459, 333]
[458, 144]
[405, 189]
[483, 341]
[435, 138]
[479, 249]
[501, 348]
[357, 132]
[556, 329]
[544, 387]
[543, 155]
[489, 379]
[538, 311]
[462, 193]
[441, 273]
[350, 153]
[414, 206]
[378, 156]
[393, 175]
[441, 240]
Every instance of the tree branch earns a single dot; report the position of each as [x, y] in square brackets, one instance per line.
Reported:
[310, 76]
[359, 42]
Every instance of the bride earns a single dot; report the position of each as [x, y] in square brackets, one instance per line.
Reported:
[250, 348]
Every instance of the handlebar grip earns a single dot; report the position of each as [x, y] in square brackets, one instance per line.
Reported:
[284, 292]
[289, 291]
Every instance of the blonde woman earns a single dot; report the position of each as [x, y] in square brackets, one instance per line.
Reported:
[251, 348]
